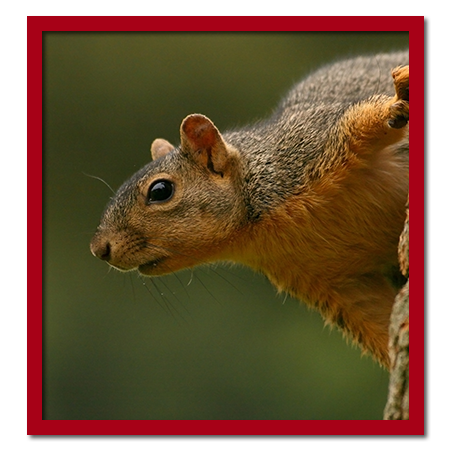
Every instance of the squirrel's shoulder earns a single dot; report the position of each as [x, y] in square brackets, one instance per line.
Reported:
[291, 143]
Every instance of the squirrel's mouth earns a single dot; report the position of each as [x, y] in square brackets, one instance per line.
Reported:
[149, 267]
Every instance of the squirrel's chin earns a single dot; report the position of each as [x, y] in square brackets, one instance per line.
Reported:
[152, 267]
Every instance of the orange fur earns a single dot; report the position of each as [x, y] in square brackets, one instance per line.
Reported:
[331, 247]
[343, 230]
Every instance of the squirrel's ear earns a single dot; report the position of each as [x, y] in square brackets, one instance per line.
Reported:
[203, 141]
[160, 148]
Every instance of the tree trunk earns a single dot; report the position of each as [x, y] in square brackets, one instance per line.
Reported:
[397, 407]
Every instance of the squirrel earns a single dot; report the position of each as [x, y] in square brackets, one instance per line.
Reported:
[313, 197]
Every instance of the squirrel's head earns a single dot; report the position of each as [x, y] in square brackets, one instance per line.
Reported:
[180, 210]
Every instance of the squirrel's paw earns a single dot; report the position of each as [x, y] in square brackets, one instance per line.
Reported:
[399, 110]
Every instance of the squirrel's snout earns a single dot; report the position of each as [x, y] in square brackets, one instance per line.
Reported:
[101, 248]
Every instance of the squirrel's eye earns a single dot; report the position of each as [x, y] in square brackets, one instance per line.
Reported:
[160, 191]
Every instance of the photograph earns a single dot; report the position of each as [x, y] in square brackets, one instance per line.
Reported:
[221, 218]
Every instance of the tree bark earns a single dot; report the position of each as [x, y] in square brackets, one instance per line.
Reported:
[397, 407]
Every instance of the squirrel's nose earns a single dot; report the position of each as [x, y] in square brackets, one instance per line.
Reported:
[101, 248]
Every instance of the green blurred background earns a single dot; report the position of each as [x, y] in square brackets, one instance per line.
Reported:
[215, 343]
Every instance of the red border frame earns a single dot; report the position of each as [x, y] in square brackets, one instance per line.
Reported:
[38, 426]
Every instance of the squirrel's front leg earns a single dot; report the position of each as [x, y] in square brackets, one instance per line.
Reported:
[399, 110]
[379, 121]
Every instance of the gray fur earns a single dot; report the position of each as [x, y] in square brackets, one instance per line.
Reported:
[280, 153]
